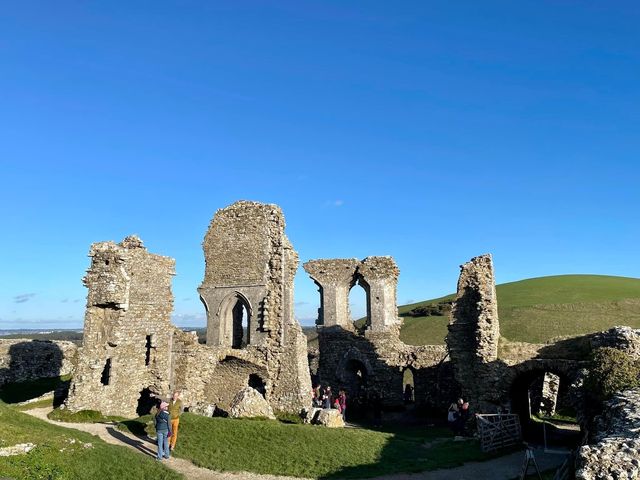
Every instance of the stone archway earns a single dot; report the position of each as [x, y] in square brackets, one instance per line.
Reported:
[235, 315]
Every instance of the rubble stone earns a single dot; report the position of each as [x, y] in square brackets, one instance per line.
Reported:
[329, 417]
[249, 403]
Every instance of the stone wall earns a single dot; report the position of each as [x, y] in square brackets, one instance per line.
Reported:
[372, 359]
[614, 451]
[132, 352]
[474, 330]
[126, 348]
[24, 359]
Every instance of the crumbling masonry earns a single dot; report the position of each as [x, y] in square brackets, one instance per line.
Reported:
[131, 351]
[372, 360]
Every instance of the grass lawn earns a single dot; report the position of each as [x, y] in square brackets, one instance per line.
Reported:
[63, 454]
[272, 447]
[540, 309]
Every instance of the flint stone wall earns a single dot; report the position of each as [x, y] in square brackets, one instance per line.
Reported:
[373, 361]
[127, 338]
[615, 448]
[131, 350]
[24, 359]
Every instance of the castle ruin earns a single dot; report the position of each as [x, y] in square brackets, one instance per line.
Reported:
[131, 352]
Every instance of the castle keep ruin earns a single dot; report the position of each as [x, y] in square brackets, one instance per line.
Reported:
[131, 351]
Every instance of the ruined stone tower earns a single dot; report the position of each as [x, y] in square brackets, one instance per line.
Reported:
[126, 349]
[250, 266]
[474, 329]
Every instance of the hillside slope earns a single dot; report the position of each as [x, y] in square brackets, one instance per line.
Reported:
[539, 309]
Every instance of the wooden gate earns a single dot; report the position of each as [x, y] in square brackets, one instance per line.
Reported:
[498, 431]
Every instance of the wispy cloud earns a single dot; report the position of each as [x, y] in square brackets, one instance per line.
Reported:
[23, 297]
[64, 300]
[334, 203]
[300, 304]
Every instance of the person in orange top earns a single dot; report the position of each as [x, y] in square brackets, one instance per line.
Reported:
[175, 410]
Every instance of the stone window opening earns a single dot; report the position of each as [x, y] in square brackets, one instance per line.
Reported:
[105, 378]
[148, 346]
[360, 304]
[238, 321]
[408, 386]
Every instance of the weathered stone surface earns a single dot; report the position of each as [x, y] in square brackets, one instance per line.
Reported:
[24, 359]
[474, 330]
[615, 452]
[132, 352]
[626, 339]
[329, 417]
[249, 403]
[126, 348]
[203, 409]
[550, 389]
[375, 361]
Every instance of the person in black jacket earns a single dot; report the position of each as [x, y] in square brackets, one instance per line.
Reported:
[163, 431]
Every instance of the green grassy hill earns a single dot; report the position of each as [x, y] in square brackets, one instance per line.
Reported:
[539, 309]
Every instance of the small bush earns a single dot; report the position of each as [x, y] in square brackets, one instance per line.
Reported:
[611, 371]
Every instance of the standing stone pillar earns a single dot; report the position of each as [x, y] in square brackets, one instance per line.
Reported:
[335, 279]
[550, 389]
[380, 276]
[474, 329]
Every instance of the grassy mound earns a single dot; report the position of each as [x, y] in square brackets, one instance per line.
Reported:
[61, 453]
[539, 309]
[272, 447]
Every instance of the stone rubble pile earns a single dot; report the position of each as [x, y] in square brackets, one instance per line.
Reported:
[616, 455]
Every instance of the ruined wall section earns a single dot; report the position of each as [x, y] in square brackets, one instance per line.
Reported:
[474, 330]
[376, 360]
[128, 333]
[334, 279]
[248, 254]
[380, 274]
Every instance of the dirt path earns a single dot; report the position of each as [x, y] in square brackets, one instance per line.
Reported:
[503, 468]
[112, 435]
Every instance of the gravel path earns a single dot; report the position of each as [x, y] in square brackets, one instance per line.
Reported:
[503, 468]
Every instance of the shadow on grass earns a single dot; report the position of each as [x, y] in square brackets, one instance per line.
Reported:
[141, 444]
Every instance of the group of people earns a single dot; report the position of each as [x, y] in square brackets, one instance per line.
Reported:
[457, 416]
[325, 398]
[167, 422]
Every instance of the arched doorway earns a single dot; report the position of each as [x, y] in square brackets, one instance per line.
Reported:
[530, 400]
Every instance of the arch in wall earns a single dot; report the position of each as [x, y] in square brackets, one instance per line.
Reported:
[357, 283]
[525, 395]
[408, 386]
[236, 320]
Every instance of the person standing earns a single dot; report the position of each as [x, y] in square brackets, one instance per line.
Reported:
[175, 410]
[342, 398]
[163, 431]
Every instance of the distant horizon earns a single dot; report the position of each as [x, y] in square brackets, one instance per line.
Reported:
[310, 322]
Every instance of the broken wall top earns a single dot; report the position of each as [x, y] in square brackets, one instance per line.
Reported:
[241, 243]
[116, 267]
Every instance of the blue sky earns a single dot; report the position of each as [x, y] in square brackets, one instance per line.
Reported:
[430, 131]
